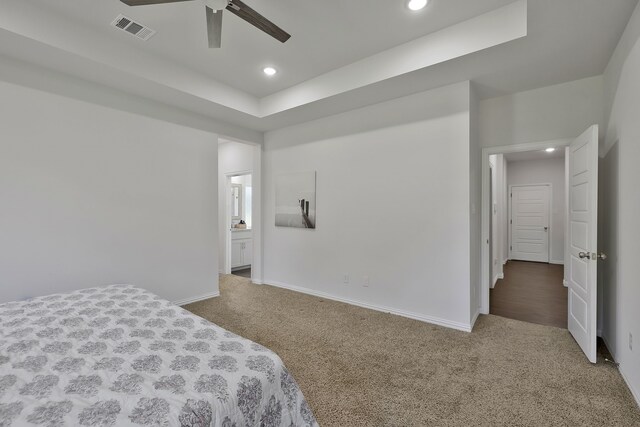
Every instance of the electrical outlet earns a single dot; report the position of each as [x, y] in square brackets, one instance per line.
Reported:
[630, 341]
[365, 281]
[346, 279]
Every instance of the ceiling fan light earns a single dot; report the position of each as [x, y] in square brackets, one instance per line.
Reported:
[417, 4]
[269, 71]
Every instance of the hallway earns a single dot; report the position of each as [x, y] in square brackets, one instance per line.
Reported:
[531, 292]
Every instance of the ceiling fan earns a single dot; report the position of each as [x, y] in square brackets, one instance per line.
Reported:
[214, 10]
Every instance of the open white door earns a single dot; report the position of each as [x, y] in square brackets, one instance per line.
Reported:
[583, 240]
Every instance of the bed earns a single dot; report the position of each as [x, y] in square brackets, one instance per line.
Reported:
[120, 355]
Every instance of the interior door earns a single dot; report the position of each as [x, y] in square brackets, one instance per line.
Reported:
[530, 223]
[583, 240]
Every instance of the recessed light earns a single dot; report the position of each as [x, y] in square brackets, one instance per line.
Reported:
[550, 150]
[417, 4]
[269, 71]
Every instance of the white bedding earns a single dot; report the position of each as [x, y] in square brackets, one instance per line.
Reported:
[119, 355]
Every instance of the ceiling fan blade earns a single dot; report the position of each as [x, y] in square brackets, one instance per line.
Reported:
[243, 11]
[214, 27]
[146, 2]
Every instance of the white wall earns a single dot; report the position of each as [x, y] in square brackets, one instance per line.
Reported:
[92, 196]
[540, 172]
[554, 112]
[393, 205]
[620, 203]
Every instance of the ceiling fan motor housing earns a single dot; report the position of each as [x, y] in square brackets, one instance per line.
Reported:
[216, 4]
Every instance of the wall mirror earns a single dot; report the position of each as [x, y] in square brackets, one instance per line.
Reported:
[236, 201]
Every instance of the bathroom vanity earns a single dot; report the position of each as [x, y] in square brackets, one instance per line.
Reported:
[241, 248]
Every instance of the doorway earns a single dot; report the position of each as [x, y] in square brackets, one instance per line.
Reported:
[528, 278]
[580, 210]
[240, 189]
[239, 214]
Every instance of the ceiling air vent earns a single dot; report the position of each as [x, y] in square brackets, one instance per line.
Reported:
[134, 28]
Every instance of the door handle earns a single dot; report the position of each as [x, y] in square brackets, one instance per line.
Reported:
[593, 256]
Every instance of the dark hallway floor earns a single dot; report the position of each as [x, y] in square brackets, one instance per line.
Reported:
[243, 273]
[532, 292]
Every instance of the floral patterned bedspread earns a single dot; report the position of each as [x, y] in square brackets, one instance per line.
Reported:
[119, 356]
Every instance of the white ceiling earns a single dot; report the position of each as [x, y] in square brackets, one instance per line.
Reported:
[565, 40]
[326, 34]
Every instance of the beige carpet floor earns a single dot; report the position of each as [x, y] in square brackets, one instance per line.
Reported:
[359, 367]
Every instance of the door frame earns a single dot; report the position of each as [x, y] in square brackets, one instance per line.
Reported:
[510, 217]
[485, 270]
[228, 238]
[256, 214]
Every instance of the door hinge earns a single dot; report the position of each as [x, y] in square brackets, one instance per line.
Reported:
[510, 221]
[510, 248]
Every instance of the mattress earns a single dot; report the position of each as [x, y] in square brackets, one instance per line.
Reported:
[120, 355]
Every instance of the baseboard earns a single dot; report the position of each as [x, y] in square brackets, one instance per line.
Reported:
[634, 392]
[186, 301]
[565, 283]
[475, 318]
[556, 262]
[427, 319]
[495, 280]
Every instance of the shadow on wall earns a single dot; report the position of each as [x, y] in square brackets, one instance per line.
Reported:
[608, 203]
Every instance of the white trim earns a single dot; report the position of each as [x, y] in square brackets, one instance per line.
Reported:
[556, 262]
[427, 319]
[634, 392]
[485, 275]
[495, 280]
[565, 283]
[474, 319]
[186, 301]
